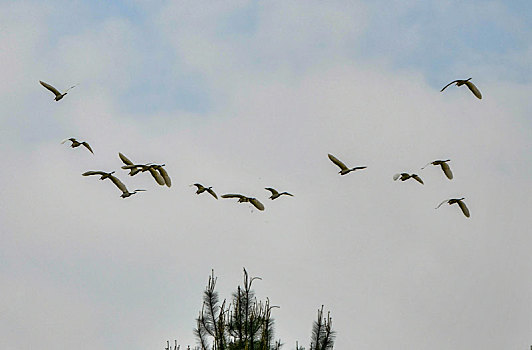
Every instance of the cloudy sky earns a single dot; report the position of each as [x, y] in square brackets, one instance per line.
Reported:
[242, 95]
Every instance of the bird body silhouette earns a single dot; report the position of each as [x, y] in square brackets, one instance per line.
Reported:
[156, 170]
[343, 168]
[460, 202]
[58, 95]
[103, 174]
[202, 189]
[406, 176]
[76, 143]
[244, 199]
[470, 85]
[276, 194]
[444, 166]
[115, 180]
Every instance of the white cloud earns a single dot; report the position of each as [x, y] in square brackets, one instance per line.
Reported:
[390, 267]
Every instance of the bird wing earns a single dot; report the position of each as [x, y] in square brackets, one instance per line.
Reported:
[288, 194]
[231, 195]
[124, 159]
[359, 167]
[396, 176]
[464, 208]
[93, 172]
[157, 176]
[65, 140]
[337, 162]
[417, 178]
[447, 170]
[473, 89]
[118, 183]
[452, 82]
[88, 147]
[439, 205]
[212, 193]
[273, 191]
[165, 176]
[256, 203]
[51, 88]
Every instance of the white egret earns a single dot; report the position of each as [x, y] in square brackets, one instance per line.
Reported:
[115, 180]
[460, 202]
[406, 176]
[344, 169]
[469, 84]
[103, 174]
[276, 194]
[156, 170]
[58, 95]
[444, 166]
[76, 143]
[202, 189]
[243, 199]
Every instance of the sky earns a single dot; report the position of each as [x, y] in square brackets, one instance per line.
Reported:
[243, 95]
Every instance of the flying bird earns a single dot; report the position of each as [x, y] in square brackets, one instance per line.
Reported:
[115, 180]
[159, 178]
[156, 170]
[76, 143]
[276, 194]
[469, 84]
[406, 176]
[56, 92]
[344, 169]
[460, 202]
[103, 174]
[444, 166]
[243, 199]
[202, 189]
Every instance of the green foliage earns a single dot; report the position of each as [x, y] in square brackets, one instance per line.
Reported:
[322, 333]
[246, 323]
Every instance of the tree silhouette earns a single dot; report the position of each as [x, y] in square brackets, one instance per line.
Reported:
[246, 323]
[322, 333]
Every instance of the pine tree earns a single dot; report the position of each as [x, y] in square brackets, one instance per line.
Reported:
[322, 333]
[246, 323]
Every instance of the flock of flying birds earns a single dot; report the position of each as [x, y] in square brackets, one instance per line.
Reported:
[162, 178]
